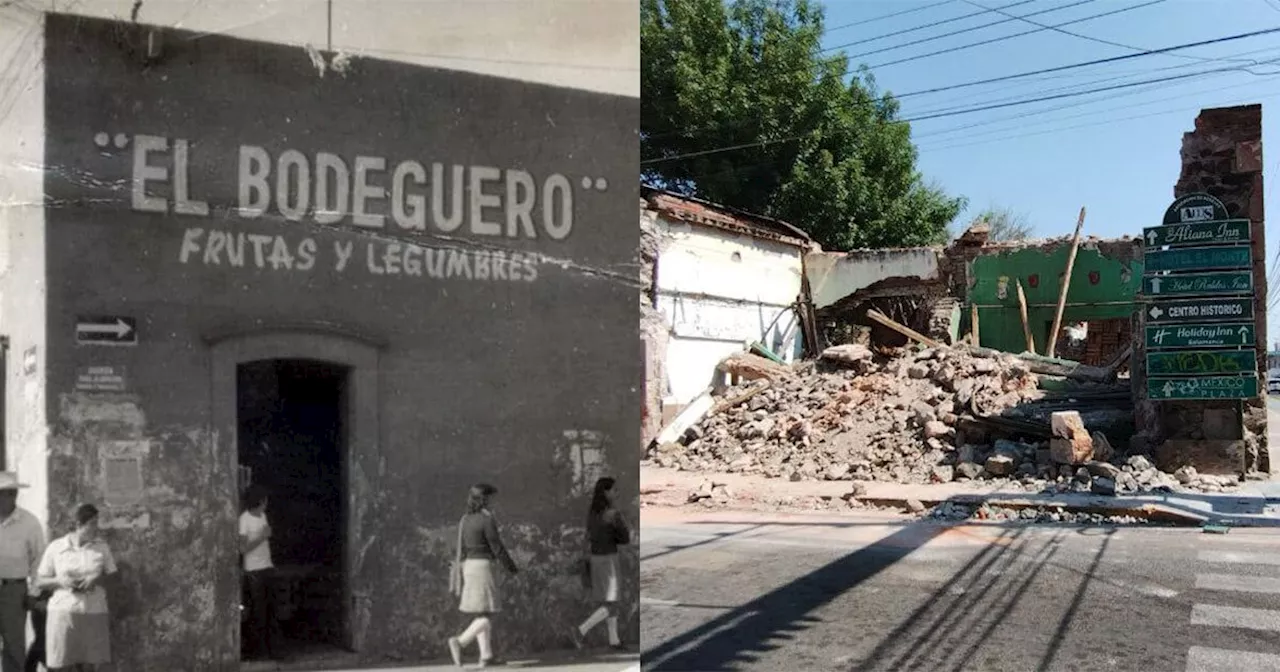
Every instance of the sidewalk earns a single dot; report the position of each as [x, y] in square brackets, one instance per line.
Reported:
[624, 663]
[552, 662]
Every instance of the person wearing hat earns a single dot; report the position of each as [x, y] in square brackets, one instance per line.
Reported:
[21, 546]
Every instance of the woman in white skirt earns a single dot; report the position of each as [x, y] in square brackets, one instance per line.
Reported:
[77, 629]
[606, 531]
[472, 580]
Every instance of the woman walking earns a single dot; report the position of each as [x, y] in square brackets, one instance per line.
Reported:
[78, 633]
[606, 531]
[472, 578]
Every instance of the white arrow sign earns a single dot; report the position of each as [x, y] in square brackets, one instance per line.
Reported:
[1151, 237]
[1155, 312]
[120, 329]
[1244, 333]
[1168, 389]
[1155, 285]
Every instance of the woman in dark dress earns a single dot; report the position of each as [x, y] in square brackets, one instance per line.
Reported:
[472, 579]
[606, 531]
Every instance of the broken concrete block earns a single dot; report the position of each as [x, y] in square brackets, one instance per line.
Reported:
[1103, 469]
[936, 429]
[1139, 463]
[1186, 475]
[1103, 486]
[969, 470]
[1071, 443]
[915, 506]
[1000, 465]
[851, 353]
[923, 412]
[1102, 450]
[918, 371]
[943, 474]
[837, 471]
[1069, 452]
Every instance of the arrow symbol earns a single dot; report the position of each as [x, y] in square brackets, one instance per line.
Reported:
[1244, 333]
[120, 329]
[1151, 237]
[1168, 389]
[1155, 285]
[1155, 312]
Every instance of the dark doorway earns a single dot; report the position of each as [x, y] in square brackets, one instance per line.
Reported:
[292, 441]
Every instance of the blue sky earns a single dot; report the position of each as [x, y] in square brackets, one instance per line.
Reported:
[1116, 153]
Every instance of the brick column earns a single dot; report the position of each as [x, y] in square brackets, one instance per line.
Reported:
[1223, 157]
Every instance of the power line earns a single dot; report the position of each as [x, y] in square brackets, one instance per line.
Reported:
[970, 110]
[882, 17]
[934, 38]
[920, 27]
[852, 105]
[1010, 37]
[1006, 137]
[1085, 64]
[1090, 38]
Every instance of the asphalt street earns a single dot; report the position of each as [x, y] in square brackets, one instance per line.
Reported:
[876, 593]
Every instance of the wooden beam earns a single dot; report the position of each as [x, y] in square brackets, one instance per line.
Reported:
[910, 333]
[1026, 323]
[976, 339]
[1066, 283]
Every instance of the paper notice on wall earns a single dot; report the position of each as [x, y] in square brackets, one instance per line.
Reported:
[122, 479]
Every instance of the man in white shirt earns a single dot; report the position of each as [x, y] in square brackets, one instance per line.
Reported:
[262, 632]
[21, 546]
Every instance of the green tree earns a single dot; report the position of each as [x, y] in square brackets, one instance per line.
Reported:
[1005, 224]
[818, 146]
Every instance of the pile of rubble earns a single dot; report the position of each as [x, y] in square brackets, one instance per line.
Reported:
[863, 416]
[872, 419]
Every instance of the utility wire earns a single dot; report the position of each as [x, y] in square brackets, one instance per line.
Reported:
[941, 36]
[920, 27]
[1090, 38]
[882, 17]
[993, 40]
[970, 110]
[1005, 78]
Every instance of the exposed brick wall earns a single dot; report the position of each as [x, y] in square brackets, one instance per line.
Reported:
[1221, 157]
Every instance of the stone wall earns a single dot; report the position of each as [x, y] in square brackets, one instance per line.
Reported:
[1221, 157]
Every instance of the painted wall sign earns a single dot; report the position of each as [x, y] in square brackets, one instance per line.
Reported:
[1198, 258]
[107, 331]
[101, 379]
[1200, 233]
[1200, 309]
[1201, 362]
[1195, 208]
[1215, 387]
[1227, 282]
[1200, 335]
[29, 361]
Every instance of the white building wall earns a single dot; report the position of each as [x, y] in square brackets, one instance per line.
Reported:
[718, 291]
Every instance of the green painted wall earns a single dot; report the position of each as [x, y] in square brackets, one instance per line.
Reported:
[995, 292]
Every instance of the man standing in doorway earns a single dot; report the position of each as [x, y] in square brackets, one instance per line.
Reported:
[262, 632]
[21, 545]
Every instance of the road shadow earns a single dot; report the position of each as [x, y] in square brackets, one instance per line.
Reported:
[769, 621]
[950, 629]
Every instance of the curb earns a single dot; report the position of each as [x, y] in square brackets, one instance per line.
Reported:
[1106, 506]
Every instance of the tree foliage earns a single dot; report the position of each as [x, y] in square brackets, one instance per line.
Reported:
[1005, 224]
[819, 147]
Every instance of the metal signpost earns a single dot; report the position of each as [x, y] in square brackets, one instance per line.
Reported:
[1200, 348]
